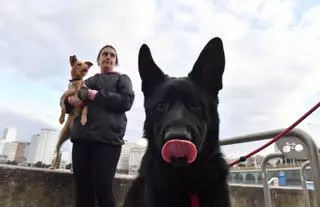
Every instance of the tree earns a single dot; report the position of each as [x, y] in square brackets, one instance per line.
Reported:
[14, 162]
[38, 164]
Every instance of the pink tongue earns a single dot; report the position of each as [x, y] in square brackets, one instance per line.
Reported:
[179, 148]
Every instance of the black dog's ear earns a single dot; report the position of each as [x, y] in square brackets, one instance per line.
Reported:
[151, 75]
[209, 67]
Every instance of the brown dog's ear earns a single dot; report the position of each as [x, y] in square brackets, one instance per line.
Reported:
[73, 59]
[88, 63]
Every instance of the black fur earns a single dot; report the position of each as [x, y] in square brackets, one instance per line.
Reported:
[186, 108]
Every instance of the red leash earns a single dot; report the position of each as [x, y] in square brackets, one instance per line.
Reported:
[194, 199]
[286, 131]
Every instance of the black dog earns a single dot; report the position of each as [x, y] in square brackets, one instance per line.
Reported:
[183, 163]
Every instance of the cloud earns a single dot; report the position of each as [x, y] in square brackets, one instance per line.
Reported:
[271, 51]
[27, 125]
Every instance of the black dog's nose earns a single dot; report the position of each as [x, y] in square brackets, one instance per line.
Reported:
[177, 133]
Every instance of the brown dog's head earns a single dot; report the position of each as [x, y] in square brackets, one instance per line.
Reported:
[78, 68]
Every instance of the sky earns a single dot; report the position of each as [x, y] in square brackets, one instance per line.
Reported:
[272, 57]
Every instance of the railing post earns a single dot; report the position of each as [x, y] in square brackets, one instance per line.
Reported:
[303, 182]
[266, 191]
[314, 162]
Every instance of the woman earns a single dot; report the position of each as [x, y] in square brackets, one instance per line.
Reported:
[97, 145]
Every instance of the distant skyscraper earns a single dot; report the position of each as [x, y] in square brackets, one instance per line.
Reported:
[4, 132]
[10, 150]
[10, 134]
[123, 164]
[26, 152]
[2, 143]
[34, 150]
[42, 146]
[65, 159]
[14, 151]
[135, 156]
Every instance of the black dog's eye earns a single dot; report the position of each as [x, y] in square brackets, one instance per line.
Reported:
[163, 106]
[195, 104]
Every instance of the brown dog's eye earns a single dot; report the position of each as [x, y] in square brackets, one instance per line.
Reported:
[163, 106]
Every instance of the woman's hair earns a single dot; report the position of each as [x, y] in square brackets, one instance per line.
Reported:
[117, 59]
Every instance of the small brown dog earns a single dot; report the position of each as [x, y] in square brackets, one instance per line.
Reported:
[79, 69]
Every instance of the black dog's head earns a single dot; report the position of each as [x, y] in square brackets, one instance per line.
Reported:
[182, 122]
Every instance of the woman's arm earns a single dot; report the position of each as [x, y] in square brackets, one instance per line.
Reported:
[72, 101]
[122, 100]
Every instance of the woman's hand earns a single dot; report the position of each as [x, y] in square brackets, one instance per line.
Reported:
[75, 101]
[86, 93]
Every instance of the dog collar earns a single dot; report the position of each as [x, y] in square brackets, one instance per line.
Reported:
[75, 79]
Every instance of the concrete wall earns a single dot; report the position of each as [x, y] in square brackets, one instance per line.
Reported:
[32, 187]
[36, 187]
[245, 196]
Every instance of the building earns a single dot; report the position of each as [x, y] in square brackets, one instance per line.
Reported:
[35, 152]
[42, 146]
[2, 143]
[14, 151]
[3, 159]
[135, 156]
[20, 158]
[10, 134]
[123, 164]
[65, 159]
[10, 150]
[26, 152]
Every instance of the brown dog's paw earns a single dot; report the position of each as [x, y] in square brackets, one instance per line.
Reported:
[61, 119]
[62, 114]
[83, 121]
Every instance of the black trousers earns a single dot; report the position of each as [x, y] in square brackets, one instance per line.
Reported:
[94, 167]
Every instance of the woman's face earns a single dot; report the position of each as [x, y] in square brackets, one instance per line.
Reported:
[107, 59]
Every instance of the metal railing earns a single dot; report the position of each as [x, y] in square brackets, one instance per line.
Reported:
[266, 191]
[313, 156]
[303, 182]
